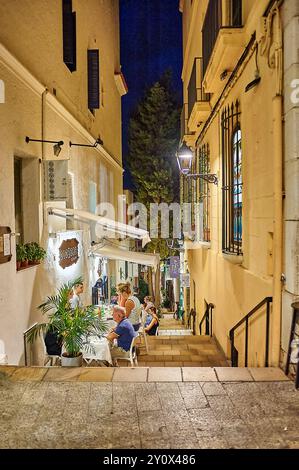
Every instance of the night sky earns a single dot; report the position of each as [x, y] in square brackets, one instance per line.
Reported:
[151, 42]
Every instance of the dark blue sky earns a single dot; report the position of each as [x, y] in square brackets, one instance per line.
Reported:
[151, 42]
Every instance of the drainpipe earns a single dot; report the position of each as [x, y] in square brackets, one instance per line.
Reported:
[272, 41]
[278, 230]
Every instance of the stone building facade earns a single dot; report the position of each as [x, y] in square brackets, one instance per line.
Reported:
[233, 120]
[60, 69]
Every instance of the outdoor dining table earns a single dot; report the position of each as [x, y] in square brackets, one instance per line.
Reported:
[96, 349]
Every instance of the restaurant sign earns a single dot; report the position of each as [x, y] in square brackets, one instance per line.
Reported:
[68, 253]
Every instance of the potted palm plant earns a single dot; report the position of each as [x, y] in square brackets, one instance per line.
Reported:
[70, 325]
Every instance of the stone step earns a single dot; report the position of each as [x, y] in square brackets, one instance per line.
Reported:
[140, 374]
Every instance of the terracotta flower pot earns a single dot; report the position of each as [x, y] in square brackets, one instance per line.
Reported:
[25, 263]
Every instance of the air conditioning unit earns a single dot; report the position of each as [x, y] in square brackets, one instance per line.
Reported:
[55, 180]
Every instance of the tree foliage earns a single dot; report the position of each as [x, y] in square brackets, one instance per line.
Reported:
[153, 141]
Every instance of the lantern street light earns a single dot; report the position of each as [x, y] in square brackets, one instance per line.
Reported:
[184, 158]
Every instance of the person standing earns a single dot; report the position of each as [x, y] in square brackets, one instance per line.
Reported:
[76, 301]
[130, 303]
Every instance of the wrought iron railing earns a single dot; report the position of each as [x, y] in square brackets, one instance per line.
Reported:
[234, 353]
[208, 319]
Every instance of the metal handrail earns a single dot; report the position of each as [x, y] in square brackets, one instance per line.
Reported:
[234, 352]
[208, 317]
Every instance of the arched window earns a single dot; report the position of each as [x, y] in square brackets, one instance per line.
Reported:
[237, 186]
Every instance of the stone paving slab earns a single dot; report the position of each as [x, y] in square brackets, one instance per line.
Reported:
[164, 374]
[233, 374]
[265, 374]
[126, 374]
[200, 374]
[63, 374]
[96, 374]
[35, 374]
[7, 370]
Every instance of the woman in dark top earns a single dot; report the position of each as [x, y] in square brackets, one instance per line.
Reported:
[53, 343]
[151, 322]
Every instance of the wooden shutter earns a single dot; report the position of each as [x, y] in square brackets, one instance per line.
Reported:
[69, 35]
[93, 78]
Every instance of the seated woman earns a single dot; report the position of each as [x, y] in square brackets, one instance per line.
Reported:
[130, 303]
[148, 303]
[53, 343]
[151, 322]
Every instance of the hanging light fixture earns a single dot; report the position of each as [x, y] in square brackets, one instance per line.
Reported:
[185, 157]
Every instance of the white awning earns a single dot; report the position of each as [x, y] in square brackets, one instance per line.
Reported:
[107, 224]
[119, 253]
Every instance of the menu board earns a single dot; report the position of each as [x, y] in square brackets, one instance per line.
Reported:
[5, 246]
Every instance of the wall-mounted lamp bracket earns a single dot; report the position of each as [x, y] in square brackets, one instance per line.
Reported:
[208, 177]
[97, 142]
[57, 144]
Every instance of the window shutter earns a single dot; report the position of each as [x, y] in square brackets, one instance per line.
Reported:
[69, 35]
[93, 79]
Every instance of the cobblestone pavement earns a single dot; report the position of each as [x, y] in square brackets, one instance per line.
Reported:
[42, 408]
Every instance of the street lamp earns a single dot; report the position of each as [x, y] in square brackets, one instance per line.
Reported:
[184, 158]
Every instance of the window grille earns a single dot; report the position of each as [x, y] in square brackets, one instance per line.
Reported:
[232, 189]
[204, 193]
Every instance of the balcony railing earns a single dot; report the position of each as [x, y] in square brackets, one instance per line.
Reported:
[195, 89]
[220, 14]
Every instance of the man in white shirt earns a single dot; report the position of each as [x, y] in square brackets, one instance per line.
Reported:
[76, 301]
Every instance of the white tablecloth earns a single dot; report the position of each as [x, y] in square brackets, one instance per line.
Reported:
[97, 349]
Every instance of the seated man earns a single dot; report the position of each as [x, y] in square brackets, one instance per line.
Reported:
[123, 333]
